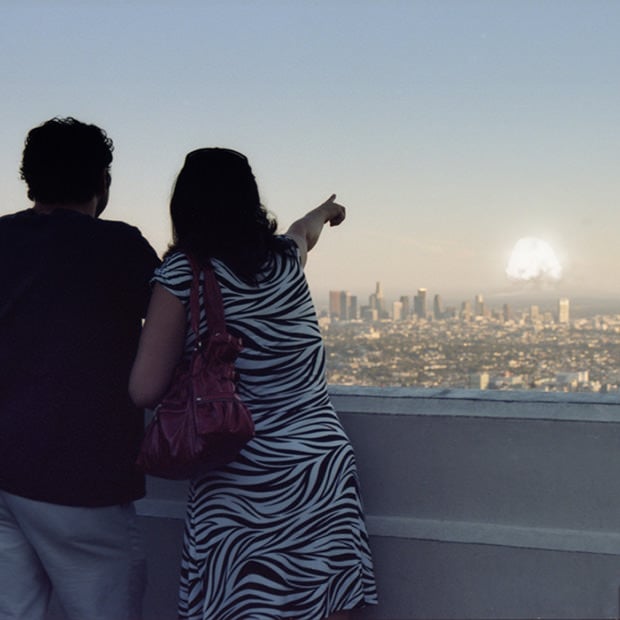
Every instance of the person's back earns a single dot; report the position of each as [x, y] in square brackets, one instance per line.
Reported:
[278, 532]
[70, 310]
[281, 364]
[74, 291]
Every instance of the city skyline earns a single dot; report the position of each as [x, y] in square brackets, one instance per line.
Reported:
[344, 305]
[450, 129]
[474, 347]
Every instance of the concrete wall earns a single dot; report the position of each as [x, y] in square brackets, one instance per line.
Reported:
[489, 504]
[479, 504]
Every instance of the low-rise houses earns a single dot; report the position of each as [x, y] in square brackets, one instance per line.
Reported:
[486, 353]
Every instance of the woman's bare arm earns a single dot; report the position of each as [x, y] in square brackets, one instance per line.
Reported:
[160, 349]
[306, 231]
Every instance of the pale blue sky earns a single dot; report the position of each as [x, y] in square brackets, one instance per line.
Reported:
[450, 129]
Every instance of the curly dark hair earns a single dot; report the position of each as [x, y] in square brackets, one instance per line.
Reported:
[63, 161]
[216, 213]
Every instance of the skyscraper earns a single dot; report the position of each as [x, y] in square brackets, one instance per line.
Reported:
[372, 301]
[479, 305]
[563, 311]
[437, 307]
[334, 304]
[507, 312]
[419, 303]
[397, 311]
[353, 312]
[379, 301]
[404, 299]
[465, 313]
[340, 305]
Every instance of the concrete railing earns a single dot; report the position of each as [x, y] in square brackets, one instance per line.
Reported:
[489, 504]
[479, 504]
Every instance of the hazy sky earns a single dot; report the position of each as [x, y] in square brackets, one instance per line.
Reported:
[450, 129]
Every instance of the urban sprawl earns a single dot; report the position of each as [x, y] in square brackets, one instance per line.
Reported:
[423, 344]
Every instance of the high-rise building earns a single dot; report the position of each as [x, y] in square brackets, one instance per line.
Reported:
[404, 299]
[369, 314]
[563, 311]
[345, 302]
[397, 311]
[465, 313]
[379, 301]
[372, 301]
[419, 303]
[507, 312]
[437, 307]
[534, 313]
[339, 305]
[353, 307]
[334, 304]
[479, 305]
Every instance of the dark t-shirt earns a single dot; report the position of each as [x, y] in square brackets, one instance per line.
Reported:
[73, 291]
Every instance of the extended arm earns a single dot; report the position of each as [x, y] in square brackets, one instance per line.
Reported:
[306, 231]
[160, 349]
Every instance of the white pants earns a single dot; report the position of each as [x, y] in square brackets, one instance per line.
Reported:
[92, 558]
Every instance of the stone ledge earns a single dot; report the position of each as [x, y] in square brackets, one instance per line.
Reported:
[570, 407]
[457, 532]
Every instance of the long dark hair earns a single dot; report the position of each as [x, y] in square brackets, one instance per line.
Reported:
[216, 213]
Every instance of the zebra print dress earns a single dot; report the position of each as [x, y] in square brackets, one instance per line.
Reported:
[279, 532]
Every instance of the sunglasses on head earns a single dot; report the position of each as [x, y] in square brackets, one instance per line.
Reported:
[205, 153]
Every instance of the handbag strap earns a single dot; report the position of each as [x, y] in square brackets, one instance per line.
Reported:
[212, 297]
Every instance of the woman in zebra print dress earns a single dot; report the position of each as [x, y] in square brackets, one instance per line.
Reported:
[279, 532]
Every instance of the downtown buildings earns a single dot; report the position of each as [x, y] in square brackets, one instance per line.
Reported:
[536, 346]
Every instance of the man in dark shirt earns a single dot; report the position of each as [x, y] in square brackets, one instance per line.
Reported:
[73, 291]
